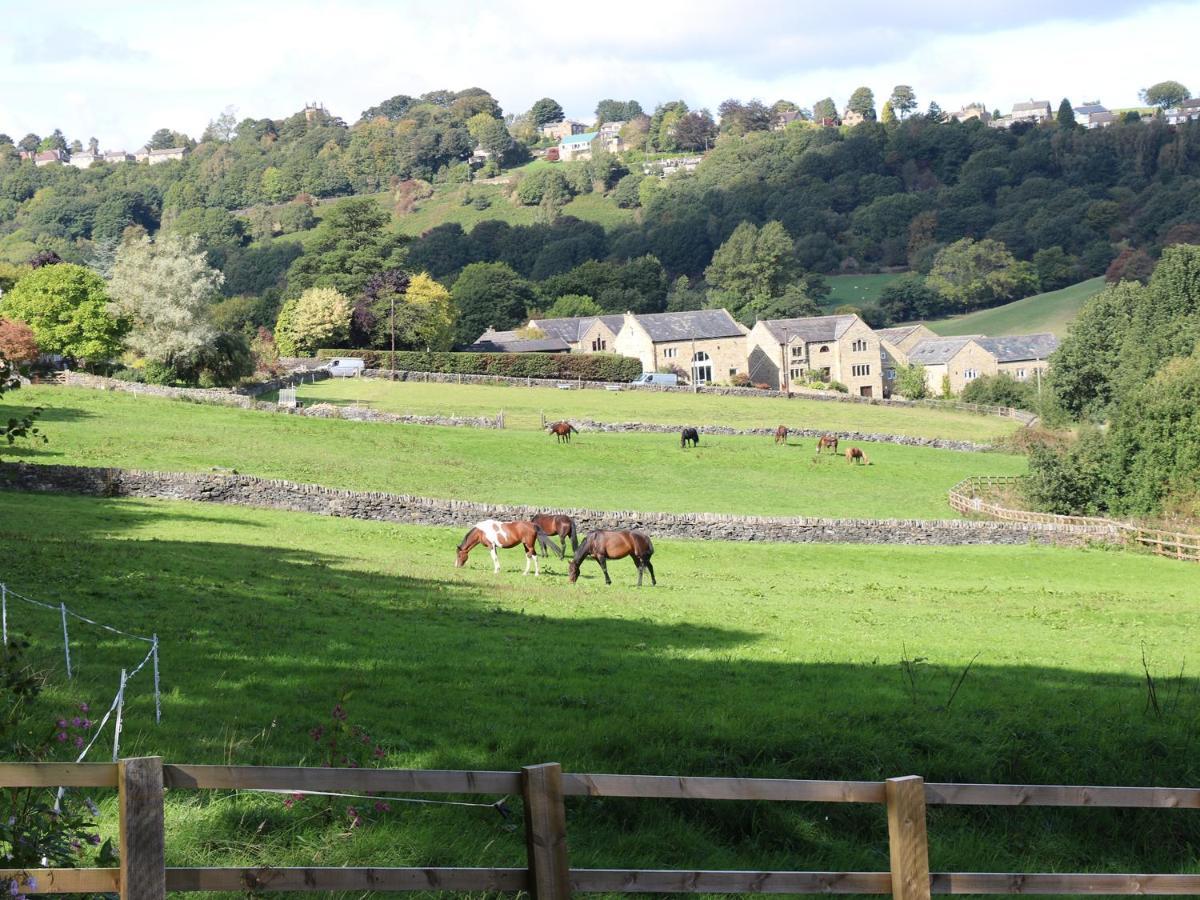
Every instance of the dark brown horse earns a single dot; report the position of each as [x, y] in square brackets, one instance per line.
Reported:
[560, 526]
[562, 431]
[856, 456]
[689, 436]
[605, 545]
[492, 534]
[827, 442]
[781, 434]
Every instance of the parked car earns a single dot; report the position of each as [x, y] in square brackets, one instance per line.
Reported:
[656, 378]
[348, 367]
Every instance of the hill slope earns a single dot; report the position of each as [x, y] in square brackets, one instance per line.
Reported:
[1053, 311]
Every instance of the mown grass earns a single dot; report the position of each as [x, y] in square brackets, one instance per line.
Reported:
[1053, 311]
[523, 408]
[750, 660]
[606, 471]
[447, 206]
[856, 290]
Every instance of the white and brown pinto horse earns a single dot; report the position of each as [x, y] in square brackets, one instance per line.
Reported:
[493, 534]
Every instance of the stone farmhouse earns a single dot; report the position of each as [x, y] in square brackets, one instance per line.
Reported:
[492, 341]
[786, 352]
[583, 334]
[707, 345]
[1093, 114]
[952, 362]
[1022, 356]
[972, 111]
[558, 130]
[1184, 112]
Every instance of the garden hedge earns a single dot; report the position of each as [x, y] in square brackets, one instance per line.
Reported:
[587, 366]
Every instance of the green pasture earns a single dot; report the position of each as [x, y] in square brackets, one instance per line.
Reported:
[833, 661]
[453, 204]
[524, 406]
[606, 471]
[856, 290]
[1053, 311]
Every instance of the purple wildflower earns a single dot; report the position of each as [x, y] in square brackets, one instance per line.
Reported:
[87, 723]
[339, 713]
[62, 723]
[76, 722]
[83, 707]
[381, 806]
[61, 736]
[78, 742]
[14, 888]
[93, 839]
[31, 883]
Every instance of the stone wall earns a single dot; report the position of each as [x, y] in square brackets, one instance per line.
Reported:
[241, 397]
[245, 490]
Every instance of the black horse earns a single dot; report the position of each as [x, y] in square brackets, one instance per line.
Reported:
[689, 435]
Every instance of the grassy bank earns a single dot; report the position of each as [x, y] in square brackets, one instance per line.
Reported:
[602, 471]
[1053, 311]
[767, 660]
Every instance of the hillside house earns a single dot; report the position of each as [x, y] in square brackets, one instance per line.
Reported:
[577, 146]
[44, 157]
[556, 131]
[117, 156]
[1031, 111]
[1023, 356]
[162, 155]
[707, 345]
[611, 129]
[84, 159]
[784, 119]
[894, 346]
[1184, 112]
[973, 111]
[851, 118]
[952, 361]
[583, 334]
[1092, 115]
[783, 352]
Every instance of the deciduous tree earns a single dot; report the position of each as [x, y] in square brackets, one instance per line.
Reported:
[546, 111]
[320, 317]
[973, 274]
[862, 101]
[489, 295]
[67, 306]
[903, 100]
[1165, 94]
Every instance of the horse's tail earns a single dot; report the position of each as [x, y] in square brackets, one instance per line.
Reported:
[573, 428]
[573, 532]
[545, 541]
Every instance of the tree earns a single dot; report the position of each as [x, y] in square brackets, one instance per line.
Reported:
[741, 118]
[1130, 265]
[164, 289]
[353, 243]
[910, 298]
[29, 143]
[55, 141]
[750, 269]
[17, 427]
[935, 114]
[489, 295]
[18, 343]
[571, 305]
[223, 128]
[887, 116]
[1066, 114]
[545, 112]
[825, 109]
[67, 306]
[695, 130]
[163, 139]
[617, 111]
[320, 317]
[1055, 268]
[393, 109]
[972, 274]
[903, 100]
[661, 134]
[1165, 94]
[425, 320]
[910, 382]
[862, 101]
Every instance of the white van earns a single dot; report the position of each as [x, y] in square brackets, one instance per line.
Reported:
[657, 378]
[348, 367]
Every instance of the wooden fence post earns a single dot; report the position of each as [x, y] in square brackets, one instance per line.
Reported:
[546, 832]
[143, 859]
[908, 843]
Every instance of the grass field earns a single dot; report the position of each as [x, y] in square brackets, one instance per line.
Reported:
[753, 660]
[446, 205]
[604, 471]
[1053, 311]
[857, 290]
[523, 408]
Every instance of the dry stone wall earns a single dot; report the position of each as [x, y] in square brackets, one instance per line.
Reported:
[246, 490]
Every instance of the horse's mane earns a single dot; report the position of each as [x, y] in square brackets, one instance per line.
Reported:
[585, 547]
[463, 542]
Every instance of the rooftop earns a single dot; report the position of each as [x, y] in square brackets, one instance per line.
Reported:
[586, 138]
[809, 329]
[511, 342]
[701, 324]
[572, 329]
[938, 350]
[896, 334]
[1019, 347]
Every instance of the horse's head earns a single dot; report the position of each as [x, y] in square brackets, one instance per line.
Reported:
[464, 548]
[572, 571]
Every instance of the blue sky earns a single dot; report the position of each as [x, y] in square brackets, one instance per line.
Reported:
[119, 71]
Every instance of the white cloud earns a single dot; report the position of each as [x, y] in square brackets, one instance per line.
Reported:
[119, 74]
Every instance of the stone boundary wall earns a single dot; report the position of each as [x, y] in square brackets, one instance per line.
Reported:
[1025, 418]
[362, 414]
[246, 490]
[240, 397]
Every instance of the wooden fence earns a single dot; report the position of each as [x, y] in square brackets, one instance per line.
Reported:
[969, 497]
[547, 873]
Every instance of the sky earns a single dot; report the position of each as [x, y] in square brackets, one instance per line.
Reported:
[118, 71]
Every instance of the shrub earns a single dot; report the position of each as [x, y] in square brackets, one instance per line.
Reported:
[17, 341]
[911, 383]
[1001, 390]
[741, 379]
[587, 366]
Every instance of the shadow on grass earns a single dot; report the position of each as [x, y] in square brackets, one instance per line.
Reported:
[259, 643]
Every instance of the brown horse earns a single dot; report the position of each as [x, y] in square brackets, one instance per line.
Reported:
[856, 456]
[827, 442]
[689, 436]
[560, 526]
[562, 431]
[605, 545]
[492, 534]
[781, 434]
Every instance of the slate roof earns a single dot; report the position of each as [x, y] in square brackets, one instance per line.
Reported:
[935, 352]
[1031, 105]
[1020, 347]
[511, 342]
[810, 329]
[1088, 108]
[897, 334]
[571, 329]
[701, 324]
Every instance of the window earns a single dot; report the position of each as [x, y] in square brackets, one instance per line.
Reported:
[1021, 376]
[670, 352]
[701, 368]
[891, 374]
[797, 351]
[824, 349]
[732, 372]
[797, 374]
[860, 371]
[599, 344]
[859, 346]
[970, 374]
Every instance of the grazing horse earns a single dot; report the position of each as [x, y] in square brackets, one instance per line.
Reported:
[558, 525]
[492, 534]
[781, 434]
[827, 442]
[605, 545]
[689, 435]
[856, 456]
[562, 431]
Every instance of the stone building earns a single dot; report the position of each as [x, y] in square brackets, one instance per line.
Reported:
[707, 345]
[1023, 356]
[952, 362]
[583, 334]
[785, 352]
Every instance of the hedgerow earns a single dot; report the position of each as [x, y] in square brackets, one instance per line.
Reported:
[588, 366]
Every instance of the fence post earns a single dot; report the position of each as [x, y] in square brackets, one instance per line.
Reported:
[908, 843]
[546, 832]
[143, 860]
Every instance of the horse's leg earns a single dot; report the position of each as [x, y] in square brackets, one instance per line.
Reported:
[495, 560]
[650, 566]
[637, 562]
[604, 568]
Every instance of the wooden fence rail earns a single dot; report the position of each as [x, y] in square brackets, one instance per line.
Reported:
[547, 874]
[969, 498]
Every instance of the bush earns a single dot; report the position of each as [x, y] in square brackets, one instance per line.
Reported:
[910, 382]
[741, 379]
[17, 341]
[587, 366]
[1001, 390]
